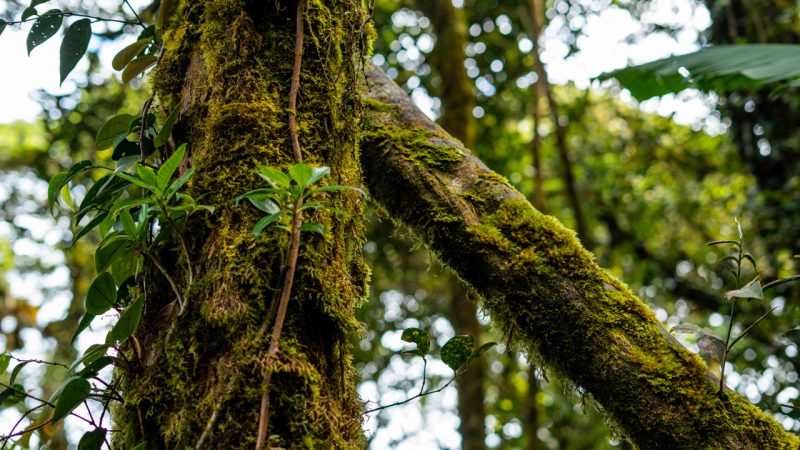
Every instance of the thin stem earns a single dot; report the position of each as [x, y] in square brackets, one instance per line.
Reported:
[294, 241]
[421, 394]
[13, 433]
[139, 19]
[747, 330]
[728, 345]
[45, 402]
[182, 240]
[143, 125]
[424, 370]
[39, 361]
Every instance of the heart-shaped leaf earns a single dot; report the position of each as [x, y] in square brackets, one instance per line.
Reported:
[456, 352]
[417, 336]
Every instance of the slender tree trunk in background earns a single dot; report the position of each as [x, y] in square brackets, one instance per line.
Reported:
[533, 18]
[544, 290]
[228, 65]
[458, 99]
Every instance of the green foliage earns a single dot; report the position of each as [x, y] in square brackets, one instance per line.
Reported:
[722, 68]
[74, 45]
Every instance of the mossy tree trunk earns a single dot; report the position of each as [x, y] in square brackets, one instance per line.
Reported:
[228, 65]
[544, 291]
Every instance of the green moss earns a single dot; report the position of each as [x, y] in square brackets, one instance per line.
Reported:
[417, 145]
[229, 63]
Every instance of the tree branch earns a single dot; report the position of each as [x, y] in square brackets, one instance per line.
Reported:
[542, 287]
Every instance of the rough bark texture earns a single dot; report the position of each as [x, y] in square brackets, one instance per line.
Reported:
[228, 64]
[544, 291]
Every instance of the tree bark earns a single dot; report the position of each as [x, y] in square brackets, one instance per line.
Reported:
[544, 291]
[228, 64]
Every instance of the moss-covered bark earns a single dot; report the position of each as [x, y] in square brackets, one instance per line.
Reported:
[228, 64]
[544, 291]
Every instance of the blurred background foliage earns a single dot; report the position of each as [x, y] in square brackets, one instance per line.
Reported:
[644, 193]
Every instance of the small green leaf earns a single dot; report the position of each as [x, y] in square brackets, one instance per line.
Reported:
[116, 247]
[94, 352]
[101, 295]
[128, 224]
[178, 183]
[166, 130]
[16, 370]
[169, 167]
[482, 349]
[147, 175]
[750, 290]
[86, 320]
[44, 28]
[264, 222]
[739, 228]
[93, 368]
[137, 66]
[313, 227]
[5, 360]
[268, 206]
[724, 241]
[318, 173]
[689, 328]
[419, 337]
[73, 394]
[127, 54]
[12, 395]
[274, 177]
[711, 347]
[301, 174]
[125, 148]
[128, 322]
[113, 128]
[89, 226]
[137, 181]
[35, 3]
[76, 41]
[93, 440]
[456, 352]
[54, 187]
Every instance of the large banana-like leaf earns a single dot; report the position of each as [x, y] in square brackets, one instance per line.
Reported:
[720, 68]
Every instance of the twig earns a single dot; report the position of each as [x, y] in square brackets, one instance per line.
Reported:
[164, 272]
[421, 394]
[139, 19]
[294, 243]
[72, 14]
[182, 240]
[38, 361]
[143, 125]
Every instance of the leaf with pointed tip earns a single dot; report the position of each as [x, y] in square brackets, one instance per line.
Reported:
[3, 25]
[101, 295]
[44, 28]
[85, 322]
[127, 323]
[137, 66]
[111, 130]
[317, 174]
[264, 222]
[28, 13]
[482, 349]
[456, 352]
[724, 241]
[115, 247]
[750, 290]
[689, 328]
[5, 360]
[419, 337]
[301, 174]
[73, 394]
[313, 227]
[76, 41]
[166, 129]
[164, 11]
[127, 54]
[92, 440]
[274, 177]
[169, 167]
[711, 347]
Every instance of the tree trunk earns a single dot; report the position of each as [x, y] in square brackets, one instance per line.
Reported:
[228, 64]
[544, 291]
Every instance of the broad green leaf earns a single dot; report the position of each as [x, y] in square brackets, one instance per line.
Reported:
[12, 395]
[137, 66]
[85, 322]
[44, 28]
[16, 370]
[147, 175]
[127, 54]
[711, 347]
[136, 180]
[264, 222]
[419, 337]
[93, 368]
[268, 206]
[28, 13]
[5, 360]
[76, 41]
[750, 290]
[723, 68]
[54, 187]
[125, 148]
[73, 394]
[313, 227]
[93, 440]
[169, 167]
[128, 225]
[318, 173]
[127, 323]
[301, 174]
[114, 127]
[101, 295]
[166, 129]
[274, 177]
[116, 247]
[179, 182]
[91, 354]
[89, 226]
[456, 352]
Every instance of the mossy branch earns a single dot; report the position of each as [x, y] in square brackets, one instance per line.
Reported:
[541, 287]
